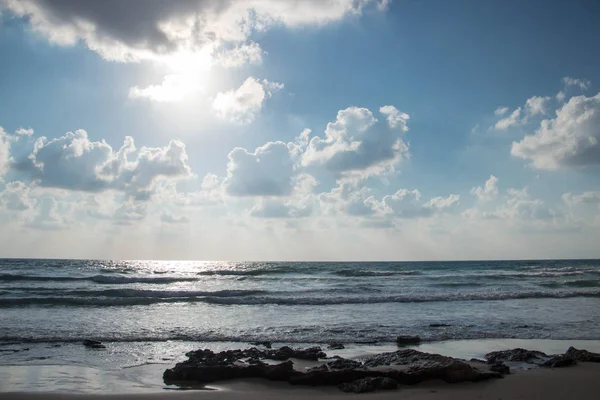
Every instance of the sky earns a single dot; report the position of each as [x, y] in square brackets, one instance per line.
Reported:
[300, 130]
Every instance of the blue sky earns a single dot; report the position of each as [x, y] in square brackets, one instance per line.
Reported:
[438, 130]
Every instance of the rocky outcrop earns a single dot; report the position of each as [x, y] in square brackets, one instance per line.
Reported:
[500, 368]
[285, 352]
[93, 344]
[335, 346]
[558, 361]
[521, 355]
[265, 344]
[369, 385]
[582, 355]
[404, 340]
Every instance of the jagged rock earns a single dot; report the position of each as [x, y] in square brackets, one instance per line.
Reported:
[369, 384]
[337, 364]
[285, 352]
[335, 346]
[266, 344]
[582, 355]
[439, 325]
[522, 355]
[558, 361]
[500, 368]
[478, 360]
[404, 340]
[93, 344]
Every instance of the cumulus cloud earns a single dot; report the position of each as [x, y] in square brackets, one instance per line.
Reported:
[15, 197]
[536, 105]
[355, 144]
[250, 53]
[518, 208]
[569, 140]
[582, 198]
[583, 84]
[136, 30]
[500, 111]
[24, 132]
[489, 191]
[508, 122]
[241, 105]
[407, 204]
[74, 162]
[4, 151]
[272, 208]
[395, 118]
[48, 216]
[268, 171]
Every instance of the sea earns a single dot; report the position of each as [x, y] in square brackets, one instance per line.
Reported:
[149, 313]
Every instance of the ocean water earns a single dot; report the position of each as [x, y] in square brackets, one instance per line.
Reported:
[154, 311]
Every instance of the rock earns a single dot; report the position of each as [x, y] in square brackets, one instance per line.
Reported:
[439, 325]
[369, 384]
[335, 346]
[521, 355]
[407, 340]
[500, 368]
[478, 360]
[558, 361]
[582, 355]
[93, 344]
[266, 344]
[285, 352]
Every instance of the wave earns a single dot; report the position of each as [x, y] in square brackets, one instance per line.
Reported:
[359, 272]
[246, 298]
[581, 283]
[101, 279]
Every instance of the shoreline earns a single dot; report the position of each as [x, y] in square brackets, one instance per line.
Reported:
[60, 377]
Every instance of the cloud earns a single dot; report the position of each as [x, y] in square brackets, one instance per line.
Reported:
[489, 191]
[241, 105]
[48, 217]
[582, 198]
[15, 197]
[536, 105]
[24, 132]
[174, 87]
[268, 171]
[74, 162]
[355, 144]
[517, 209]
[172, 219]
[512, 120]
[583, 84]
[136, 30]
[129, 212]
[500, 111]
[395, 118]
[250, 53]
[4, 151]
[407, 204]
[271, 208]
[569, 140]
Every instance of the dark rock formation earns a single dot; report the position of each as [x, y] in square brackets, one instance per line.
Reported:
[582, 355]
[369, 385]
[439, 325]
[285, 352]
[407, 340]
[500, 368]
[93, 344]
[335, 346]
[558, 361]
[382, 371]
[522, 355]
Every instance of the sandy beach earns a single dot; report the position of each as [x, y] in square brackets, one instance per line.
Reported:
[578, 382]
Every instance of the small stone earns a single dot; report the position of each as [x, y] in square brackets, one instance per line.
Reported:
[404, 340]
[93, 344]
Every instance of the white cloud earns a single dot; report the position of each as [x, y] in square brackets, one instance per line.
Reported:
[24, 132]
[76, 163]
[271, 208]
[48, 216]
[250, 53]
[174, 88]
[407, 204]
[395, 118]
[172, 219]
[241, 105]
[583, 84]
[355, 145]
[500, 111]
[147, 29]
[4, 151]
[15, 197]
[512, 120]
[569, 140]
[489, 191]
[268, 171]
[582, 198]
[536, 105]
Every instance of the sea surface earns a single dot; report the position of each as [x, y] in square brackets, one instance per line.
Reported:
[154, 311]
